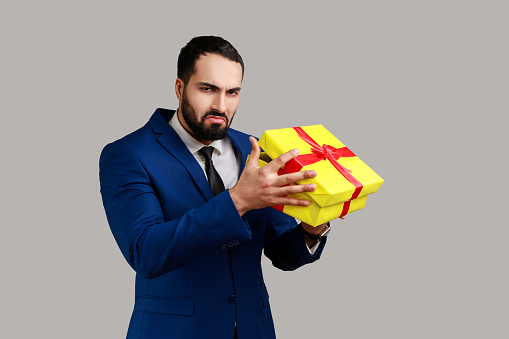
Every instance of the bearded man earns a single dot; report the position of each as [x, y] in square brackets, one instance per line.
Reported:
[192, 218]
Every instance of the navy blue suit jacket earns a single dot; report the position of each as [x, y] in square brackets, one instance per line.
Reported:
[197, 262]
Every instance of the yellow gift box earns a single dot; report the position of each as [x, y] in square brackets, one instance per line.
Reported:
[343, 180]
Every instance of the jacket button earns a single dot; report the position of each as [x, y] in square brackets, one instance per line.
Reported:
[232, 299]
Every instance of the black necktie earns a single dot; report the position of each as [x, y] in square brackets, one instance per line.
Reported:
[215, 182]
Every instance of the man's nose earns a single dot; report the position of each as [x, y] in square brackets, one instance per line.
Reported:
[219, 103]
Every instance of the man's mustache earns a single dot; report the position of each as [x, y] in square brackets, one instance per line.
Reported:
[216, 114]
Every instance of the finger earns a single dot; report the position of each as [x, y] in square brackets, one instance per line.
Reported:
[343, 217]
[255, 152]
[277, 163]
[291, 201]
[291, 178]
[294, 189]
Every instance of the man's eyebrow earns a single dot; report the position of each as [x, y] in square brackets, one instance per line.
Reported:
[208, 85]
[216, 87]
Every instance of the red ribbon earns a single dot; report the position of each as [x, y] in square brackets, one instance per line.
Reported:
[322, 153]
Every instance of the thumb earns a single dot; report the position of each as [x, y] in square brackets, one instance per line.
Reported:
[255, 152]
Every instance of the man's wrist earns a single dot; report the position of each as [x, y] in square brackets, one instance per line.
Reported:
[316, 236]
[239, 204]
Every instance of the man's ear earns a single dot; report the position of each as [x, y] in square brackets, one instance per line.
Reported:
[179, 88]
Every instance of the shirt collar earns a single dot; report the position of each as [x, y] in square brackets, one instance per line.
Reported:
[191, 143]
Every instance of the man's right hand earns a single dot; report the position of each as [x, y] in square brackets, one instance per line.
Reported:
[260, 187]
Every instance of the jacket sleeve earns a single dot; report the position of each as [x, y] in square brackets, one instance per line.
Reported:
[151, 245]
[284, 243]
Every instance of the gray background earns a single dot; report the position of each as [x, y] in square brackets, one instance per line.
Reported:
[418, 89]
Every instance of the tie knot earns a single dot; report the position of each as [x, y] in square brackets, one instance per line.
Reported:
[207, 152]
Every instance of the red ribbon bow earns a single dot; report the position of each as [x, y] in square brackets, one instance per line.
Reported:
[322, 153]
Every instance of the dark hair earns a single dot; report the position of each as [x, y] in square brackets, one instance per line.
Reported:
[200, 46]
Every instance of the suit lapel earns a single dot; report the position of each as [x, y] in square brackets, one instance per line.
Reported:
[170, 140]
[240, 147]
[244, 149]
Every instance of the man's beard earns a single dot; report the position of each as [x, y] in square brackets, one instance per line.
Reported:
[201, 132]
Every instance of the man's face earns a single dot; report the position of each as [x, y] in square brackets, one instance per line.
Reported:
[210, 99]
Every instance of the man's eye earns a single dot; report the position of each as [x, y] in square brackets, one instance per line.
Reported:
[206, 89]
[233, 92]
